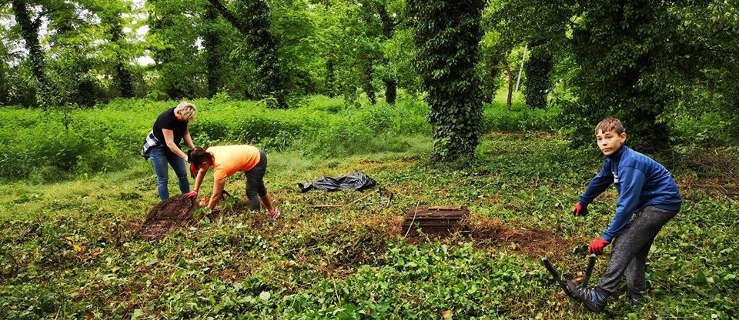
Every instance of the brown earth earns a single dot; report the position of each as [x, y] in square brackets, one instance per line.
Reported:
[167, 216]
[179, 211]
[425, 223]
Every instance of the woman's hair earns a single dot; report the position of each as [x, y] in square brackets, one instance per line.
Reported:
[186, 109]
[199, 155]
[609, 124]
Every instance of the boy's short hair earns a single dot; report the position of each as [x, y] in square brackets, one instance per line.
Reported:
[609, 124]
[186, 109]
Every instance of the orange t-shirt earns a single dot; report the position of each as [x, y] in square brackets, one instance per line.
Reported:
[231, 159]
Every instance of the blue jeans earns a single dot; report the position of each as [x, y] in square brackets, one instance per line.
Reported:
[159, 159]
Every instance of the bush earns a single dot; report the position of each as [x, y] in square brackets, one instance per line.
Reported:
[496, 117]
[109, 137]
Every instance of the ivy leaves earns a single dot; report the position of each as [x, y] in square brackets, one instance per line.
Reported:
[447, 34]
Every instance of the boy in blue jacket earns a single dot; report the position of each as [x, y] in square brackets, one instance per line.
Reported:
[647, 192]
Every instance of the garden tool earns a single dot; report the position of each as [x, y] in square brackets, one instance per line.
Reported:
[561, 282]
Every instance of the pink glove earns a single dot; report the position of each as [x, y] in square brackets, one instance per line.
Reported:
[273, 214]
[597, 245]
[191, 194]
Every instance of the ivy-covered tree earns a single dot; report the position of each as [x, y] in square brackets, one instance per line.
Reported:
[212, 43]
[253, 21]
[629, 53]
[537, 83]
[29, 29]
[447, 34]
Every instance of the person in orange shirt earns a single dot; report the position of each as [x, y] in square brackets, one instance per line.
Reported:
[227, 161]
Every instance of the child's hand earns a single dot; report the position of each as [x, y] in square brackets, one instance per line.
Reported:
[580, 210]
[597, 245]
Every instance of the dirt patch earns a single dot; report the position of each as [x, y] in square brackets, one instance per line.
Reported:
[529, 241]
[727, 186]
[179, 211]
[486, 233]
[167, 216]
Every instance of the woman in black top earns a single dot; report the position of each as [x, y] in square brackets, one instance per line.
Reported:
[163, 146]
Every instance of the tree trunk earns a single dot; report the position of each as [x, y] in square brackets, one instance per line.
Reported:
[520, 69]
[29, 31]
[388, 29]
[123, 76]
[330, 76]
[391, 90]
[509, 77]
[211, 42]
[366, 77]
[255, 28]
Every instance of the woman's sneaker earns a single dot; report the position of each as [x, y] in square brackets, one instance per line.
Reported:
[273, 214]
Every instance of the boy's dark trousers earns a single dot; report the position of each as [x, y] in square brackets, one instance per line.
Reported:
[630, 249]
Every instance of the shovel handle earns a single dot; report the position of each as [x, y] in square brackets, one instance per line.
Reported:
[554, 273]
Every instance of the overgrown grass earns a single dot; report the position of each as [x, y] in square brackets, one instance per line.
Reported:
[69, 249]
[59, 144]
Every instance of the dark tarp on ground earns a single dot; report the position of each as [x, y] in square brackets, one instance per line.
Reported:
[353, 181]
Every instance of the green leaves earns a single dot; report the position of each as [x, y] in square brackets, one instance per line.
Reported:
[447, 34]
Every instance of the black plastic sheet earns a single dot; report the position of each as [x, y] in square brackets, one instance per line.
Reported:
[353, 181]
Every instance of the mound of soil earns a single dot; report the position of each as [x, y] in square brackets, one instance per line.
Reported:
[529, 241]
[424, 223]
[167, 216]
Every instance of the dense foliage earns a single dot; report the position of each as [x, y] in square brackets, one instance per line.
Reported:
[538, 72]
[70, 250]
[90, 140]
[447, 34]
[655, 64]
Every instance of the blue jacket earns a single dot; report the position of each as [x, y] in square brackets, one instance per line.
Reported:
[640, 182]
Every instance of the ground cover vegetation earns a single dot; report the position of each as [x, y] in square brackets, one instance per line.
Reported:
[70, 248]
[485, 104]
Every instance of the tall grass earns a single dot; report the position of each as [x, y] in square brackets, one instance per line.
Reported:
[59, 144]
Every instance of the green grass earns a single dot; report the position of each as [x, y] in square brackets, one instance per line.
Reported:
[69, 249]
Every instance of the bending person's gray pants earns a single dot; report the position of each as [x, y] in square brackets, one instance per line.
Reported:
[630, 249]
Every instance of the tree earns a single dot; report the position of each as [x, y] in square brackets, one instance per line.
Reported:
[173, 37]
[538, 68]
[447, 34]
[29, 28]
[629, 53]
[254, 25]
[212, 43]
[542, 26]
[110, 14]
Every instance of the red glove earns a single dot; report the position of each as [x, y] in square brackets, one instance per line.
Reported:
[193, 170]
[580, 210]
[191, 194]
[597, 245]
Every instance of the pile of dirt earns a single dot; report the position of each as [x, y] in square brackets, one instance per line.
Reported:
[427, 223]
[530, 241]
[167, 216]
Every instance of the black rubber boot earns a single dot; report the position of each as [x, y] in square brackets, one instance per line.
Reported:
[634, 297]
[593, 298]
